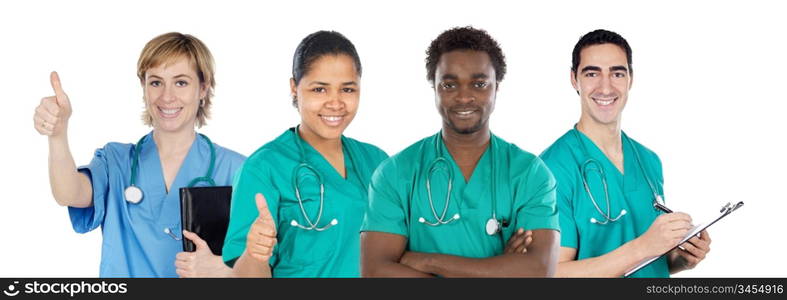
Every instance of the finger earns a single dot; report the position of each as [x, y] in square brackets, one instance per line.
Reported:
[700, 244]
[54, 79]
[44, 131]
[680, 225]
[43, 115]
[50, 106]
[705, 236]
[679, 216]
[694, 251]
[259, 257]
[265, 242]
[183, 273]
[512, 239]
[182, 256]
[528, 241]
[517, 243]
[263, 229]
[200, 243]
[261, 251]
[182, 265]
[262, 207]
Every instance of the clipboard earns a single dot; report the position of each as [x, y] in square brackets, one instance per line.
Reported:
[206, 212]
[725, 211]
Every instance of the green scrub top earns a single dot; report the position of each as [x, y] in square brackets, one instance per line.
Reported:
[630, 192]
[524, 189]
[334, 252]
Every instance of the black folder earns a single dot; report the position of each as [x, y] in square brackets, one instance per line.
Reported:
[206, 212]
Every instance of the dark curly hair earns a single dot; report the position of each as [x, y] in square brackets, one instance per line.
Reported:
[465, 38]
[598, 37]
[315, 46]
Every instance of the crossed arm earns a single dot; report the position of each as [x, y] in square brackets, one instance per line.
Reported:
[384, 254]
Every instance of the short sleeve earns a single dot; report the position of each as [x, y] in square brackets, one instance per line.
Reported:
[86, 219]
[535, 199]
[569, 234]
[250, 180]
[386, 207]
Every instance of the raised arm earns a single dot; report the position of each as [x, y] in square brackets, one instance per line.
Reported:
[69, 187]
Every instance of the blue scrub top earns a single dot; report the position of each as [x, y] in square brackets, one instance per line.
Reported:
[629, 191]
[134, 242]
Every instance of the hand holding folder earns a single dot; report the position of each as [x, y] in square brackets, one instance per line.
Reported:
[205, 211]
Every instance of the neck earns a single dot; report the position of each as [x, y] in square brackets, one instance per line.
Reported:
[464, 142]
[606, 136]
[326, 147]
[466, 146]
[173, 142]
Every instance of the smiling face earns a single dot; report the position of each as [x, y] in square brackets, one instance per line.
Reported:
[465, 89]
[603, 83]
[327, 96]
[172, 95]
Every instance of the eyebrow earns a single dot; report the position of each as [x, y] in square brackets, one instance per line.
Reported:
[598, 69]
[590, 68]
[618, 68]
[449, 77]
[480, 76]
[178, 76]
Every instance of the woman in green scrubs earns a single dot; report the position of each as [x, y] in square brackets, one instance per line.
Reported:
[299, 200]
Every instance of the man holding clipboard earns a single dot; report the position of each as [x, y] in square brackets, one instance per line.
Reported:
[609, 186]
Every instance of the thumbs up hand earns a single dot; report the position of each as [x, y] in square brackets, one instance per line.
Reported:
[51, 115]
[201, 262]
[262, 234]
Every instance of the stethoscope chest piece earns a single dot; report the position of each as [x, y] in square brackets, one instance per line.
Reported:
[133, 194]
[492, 226]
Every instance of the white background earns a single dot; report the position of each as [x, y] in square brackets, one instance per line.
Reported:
[708, 97]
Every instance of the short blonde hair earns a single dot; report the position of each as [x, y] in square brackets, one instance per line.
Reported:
[167, 48]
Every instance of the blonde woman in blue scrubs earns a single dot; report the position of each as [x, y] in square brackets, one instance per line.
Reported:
[131, 190]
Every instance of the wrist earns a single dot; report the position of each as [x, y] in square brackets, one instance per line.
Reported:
[60, 139]
[639, 249]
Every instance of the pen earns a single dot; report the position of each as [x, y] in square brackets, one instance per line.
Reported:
[661, 207]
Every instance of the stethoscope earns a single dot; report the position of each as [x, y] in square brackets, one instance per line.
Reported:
[304, 164]
[492, 224]
[657, 199]
[133, 193]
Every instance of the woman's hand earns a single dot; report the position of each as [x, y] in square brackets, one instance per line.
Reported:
[51, 115]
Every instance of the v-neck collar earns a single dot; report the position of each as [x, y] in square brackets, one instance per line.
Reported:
[151, 159]
[323, 166]
[480, 180]
[628, 177]
[482, 160]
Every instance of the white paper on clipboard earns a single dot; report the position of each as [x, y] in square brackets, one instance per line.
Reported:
[726, 210]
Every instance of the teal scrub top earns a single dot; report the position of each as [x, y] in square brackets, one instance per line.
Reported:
[524, 189]
[630, 192]
[134, 243]
[334, 252]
